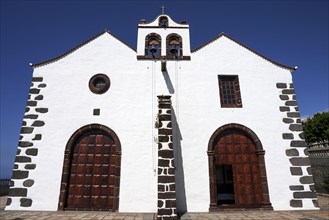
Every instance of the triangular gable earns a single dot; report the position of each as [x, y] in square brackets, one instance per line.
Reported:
[79, 46]
[248, 48]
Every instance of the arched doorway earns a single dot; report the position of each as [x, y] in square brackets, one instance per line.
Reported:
[237, 173]
[91, 171]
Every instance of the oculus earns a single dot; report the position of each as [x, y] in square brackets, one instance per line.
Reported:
[99, 83]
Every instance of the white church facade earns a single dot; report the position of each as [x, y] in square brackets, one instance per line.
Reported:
[161, 129]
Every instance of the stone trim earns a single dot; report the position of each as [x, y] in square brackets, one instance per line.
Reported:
[28, 144]
[266, 204]
[166, 166]
[299, 160]
[68, 156]
[142, 57]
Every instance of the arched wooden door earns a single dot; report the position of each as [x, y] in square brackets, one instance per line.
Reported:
[236, 153]
[237, 169]
[92, 171]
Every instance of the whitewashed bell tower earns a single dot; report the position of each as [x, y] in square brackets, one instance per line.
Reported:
[163, 39]
[161, 45]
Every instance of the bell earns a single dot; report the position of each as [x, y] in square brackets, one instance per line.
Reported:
[153, 49]
[173, 50]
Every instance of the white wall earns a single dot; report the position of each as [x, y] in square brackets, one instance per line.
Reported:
[200, 115]
[129, 108]
[126, 108]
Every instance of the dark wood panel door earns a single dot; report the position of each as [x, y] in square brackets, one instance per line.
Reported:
[93, 173]
[237, 150]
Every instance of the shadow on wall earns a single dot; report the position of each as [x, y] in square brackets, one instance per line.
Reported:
[179, 173]
[169, 84]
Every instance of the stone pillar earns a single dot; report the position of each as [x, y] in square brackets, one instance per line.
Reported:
[213, 191]
[266, 204]
[166, 169]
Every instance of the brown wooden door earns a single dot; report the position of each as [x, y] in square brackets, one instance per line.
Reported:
[236, 149]
[93, 183]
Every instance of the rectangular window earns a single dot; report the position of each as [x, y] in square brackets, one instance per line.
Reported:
[229, 90]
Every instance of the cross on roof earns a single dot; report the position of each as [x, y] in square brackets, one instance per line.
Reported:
[163, 9]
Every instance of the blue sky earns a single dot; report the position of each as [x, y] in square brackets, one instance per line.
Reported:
[294, 33]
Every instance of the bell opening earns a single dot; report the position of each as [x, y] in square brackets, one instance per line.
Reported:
[153, 49]
[173, 50]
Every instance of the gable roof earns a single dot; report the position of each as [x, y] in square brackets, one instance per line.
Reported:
[79, 46]
[192, 51]
[248, 48]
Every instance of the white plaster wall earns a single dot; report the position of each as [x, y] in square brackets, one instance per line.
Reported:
[200, 115]
[126, 108]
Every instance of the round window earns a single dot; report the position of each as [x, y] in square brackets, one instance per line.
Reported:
[99, 83]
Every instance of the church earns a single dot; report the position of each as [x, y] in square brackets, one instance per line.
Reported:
[161, 129]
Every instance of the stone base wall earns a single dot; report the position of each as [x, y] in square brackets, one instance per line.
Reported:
[297, 152]
[166, 166]
[319, 157]
[27, 149]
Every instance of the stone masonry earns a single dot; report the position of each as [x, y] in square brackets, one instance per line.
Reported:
[166, 168]
[30, 136]
[297, 152]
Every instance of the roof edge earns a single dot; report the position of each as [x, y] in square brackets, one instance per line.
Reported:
[246, 47]
[78, 47]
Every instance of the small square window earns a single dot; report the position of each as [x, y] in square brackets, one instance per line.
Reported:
[229, 91]
[96, 111]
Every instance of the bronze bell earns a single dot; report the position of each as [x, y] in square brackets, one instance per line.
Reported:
[153, 49]
[173, 50]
